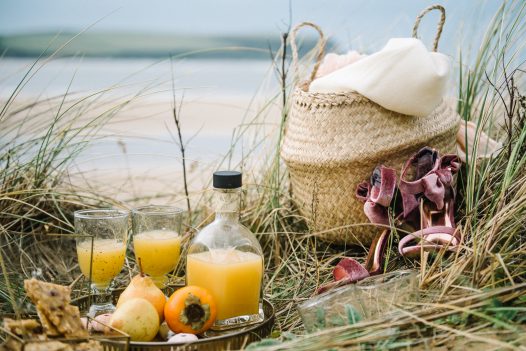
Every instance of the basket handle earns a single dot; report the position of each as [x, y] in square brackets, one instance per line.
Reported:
[440, 25]
[320, 46]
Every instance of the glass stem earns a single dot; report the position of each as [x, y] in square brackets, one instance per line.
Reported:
[101, 301]
[101, 295]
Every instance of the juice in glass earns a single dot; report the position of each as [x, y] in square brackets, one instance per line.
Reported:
[232, 276]
[108, 259]
[158, 250]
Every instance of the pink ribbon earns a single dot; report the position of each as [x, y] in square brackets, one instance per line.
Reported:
[377, 194]
[435, 185]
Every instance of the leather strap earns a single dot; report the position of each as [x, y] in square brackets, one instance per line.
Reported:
[431, 239]
[378, 194]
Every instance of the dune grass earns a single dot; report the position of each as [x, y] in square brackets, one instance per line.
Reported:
[475, 298]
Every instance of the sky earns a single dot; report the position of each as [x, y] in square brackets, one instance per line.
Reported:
[356, 23]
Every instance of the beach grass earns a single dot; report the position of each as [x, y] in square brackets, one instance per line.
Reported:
[472, 299]
[478, 298]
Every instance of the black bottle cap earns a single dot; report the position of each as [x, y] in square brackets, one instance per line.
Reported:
[227, 180]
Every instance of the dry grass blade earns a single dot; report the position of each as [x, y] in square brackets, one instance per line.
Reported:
[473, 297]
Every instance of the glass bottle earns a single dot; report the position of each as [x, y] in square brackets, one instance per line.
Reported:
[227, 259]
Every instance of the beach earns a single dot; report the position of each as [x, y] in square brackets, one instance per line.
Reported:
[136, 154]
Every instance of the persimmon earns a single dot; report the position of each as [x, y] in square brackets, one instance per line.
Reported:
[191, 309]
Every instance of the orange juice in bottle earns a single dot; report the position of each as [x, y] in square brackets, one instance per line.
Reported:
[226, 259]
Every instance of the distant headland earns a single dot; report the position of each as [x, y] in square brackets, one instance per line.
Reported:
[144, 45]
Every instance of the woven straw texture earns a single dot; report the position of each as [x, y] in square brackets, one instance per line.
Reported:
[334, 141]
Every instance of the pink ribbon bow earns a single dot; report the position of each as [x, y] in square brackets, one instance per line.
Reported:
[435, 185]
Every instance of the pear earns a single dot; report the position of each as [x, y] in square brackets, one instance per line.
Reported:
[138, 318]
[142, 286]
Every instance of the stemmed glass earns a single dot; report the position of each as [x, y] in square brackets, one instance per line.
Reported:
[156, 240]
[101, 249]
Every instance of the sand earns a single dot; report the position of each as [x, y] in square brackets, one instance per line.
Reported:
[135, 156]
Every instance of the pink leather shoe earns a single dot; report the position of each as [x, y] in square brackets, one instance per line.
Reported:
[426, 188]
[377, 196]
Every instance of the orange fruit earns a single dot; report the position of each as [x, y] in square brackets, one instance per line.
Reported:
[191, 310]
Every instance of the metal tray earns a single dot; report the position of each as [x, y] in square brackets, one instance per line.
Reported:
[233, 339]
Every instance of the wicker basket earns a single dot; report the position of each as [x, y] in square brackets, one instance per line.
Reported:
[333, 141]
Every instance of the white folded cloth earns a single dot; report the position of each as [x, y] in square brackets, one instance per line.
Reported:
[403, 77]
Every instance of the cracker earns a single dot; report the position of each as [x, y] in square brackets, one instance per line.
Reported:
[48, 346]
[67, 321]
[49, 328]
[50, 295]
[11, 344]
[92, 345]
[23, 326]
[58, 317]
